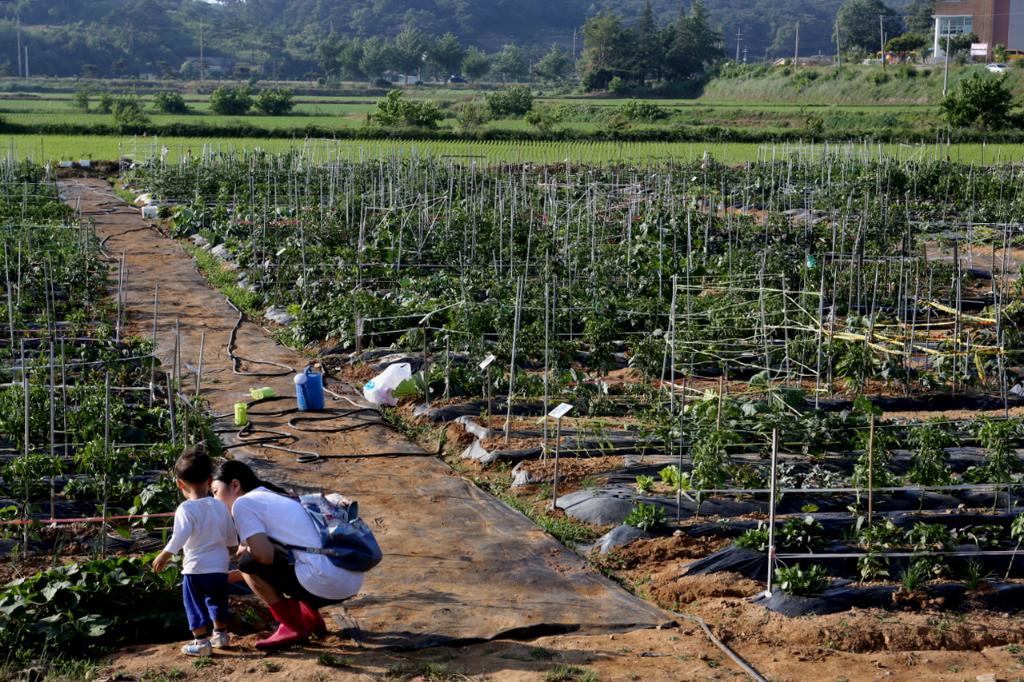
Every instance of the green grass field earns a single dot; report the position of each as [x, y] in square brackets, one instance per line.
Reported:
[62, 147]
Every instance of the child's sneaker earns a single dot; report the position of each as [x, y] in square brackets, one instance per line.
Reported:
[220, 639]
[198, 647]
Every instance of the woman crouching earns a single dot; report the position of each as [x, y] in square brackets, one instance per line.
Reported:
[294, 584]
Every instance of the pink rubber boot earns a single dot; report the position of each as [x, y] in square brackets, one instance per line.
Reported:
[312, 619]
[291, 629]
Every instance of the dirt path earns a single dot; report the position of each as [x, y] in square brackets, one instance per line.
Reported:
[460, 566]
[464, 574]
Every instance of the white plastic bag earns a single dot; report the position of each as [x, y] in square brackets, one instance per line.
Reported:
[378, 390]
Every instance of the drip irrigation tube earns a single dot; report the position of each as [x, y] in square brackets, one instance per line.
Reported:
[736, 658]
[237, 360]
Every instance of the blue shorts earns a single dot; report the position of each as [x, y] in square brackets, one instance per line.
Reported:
[206, 599]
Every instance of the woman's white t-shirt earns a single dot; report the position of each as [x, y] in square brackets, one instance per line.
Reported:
[283, 519]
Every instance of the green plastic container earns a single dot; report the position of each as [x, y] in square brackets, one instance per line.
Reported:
[262, 393]
[241, 414]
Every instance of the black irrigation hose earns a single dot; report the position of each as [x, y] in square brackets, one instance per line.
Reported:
[237, 360]
[275, 438]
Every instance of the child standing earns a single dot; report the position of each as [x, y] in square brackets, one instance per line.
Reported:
[204, 529]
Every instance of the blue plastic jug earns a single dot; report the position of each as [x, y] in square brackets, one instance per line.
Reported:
[309, 391]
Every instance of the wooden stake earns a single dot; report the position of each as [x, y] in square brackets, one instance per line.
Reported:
[871, 469]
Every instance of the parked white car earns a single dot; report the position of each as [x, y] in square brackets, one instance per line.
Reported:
[997, 68]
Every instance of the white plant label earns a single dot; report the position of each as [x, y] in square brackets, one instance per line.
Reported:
[560, 411]
[487, 362]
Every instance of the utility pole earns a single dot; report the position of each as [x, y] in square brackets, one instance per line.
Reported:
[945, 70]
[17, 21]
[202, 61]
[26, 61]
[839, 46]
[881, 37]
[796, 48]
[739, 37]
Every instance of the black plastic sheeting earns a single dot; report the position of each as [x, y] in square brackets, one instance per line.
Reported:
[732, 559]
[617, 537]
[611, 504]
[754, 564]
[927, 403]
[842, 524]
[844, 595]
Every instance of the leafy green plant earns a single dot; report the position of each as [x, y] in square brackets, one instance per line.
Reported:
[873, 565]
[883, 535]
[926, 537]
[671, 476]
[754, 538]
[803, 534]
[646, 517]
[84, 608]
[985, 536]
[997, 436]
[711, 459]
[803, 582]
[1016, 533]
[644, 484]
[974, 574]
[569, 673]
[915, 577]
[930, 461]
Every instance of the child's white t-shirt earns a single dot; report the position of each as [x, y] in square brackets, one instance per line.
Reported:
[283, 519]
[204, 529]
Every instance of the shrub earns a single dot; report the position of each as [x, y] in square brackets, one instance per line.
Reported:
[127, 111]
[80, 100]
[230, 101]
[543, 118]
[880, 77]
[802, 582]
[170, 103]
[395, 110]
[616, 85]
[105, 104]
[511, 102]
[642, 112]
[472, 115]
[646, 517]
[276, 102]
[979, 101]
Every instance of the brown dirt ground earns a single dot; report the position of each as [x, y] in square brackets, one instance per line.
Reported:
[572, 470]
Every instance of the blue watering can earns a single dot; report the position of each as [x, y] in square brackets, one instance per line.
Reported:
[309, 391]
